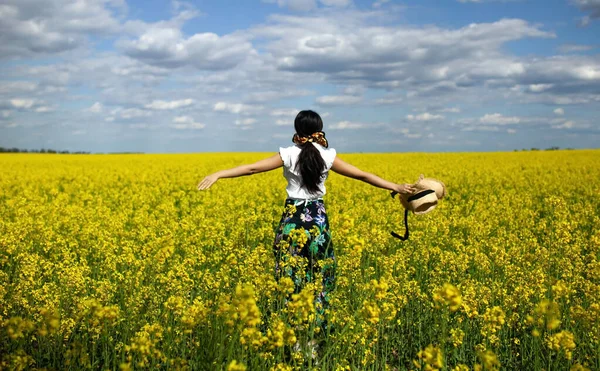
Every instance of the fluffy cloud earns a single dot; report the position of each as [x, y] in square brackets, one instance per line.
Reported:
[239, 108]
[128, 113]
[337, 100]
[96, 108]
[424, 117]
[25, 105]
[35, 27]
[346, 125]
[564, 125]
[22, 103]
[285, 112]
[427, 62]
[451, 110]
[167, 47]
[538, 88]
[349, 49]
[186, 123]
[17, 87]
[559, 111]
[169, 105]
[498, 119]
[389, 100]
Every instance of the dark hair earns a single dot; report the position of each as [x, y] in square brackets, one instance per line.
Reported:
[310, 163]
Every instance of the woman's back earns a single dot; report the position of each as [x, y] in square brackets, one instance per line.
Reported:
[295, 189]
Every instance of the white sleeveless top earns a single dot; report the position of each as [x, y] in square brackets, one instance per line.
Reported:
[289, 155]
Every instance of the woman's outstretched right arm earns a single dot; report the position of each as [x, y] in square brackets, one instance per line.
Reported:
[345, 169]
[267, 164]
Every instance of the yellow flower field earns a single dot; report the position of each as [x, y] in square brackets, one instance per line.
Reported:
[118, 262]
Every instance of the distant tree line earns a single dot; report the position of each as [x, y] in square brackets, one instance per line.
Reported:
[553, 148]
[43, 150]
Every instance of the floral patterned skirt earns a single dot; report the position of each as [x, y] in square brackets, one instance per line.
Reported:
[304, 251]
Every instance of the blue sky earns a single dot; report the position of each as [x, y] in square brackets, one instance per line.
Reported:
[387, 76]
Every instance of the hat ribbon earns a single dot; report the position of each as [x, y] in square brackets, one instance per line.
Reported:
[416, 196]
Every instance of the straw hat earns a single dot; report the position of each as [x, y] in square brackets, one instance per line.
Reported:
[425, 198]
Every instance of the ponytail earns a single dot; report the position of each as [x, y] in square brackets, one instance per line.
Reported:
[308, 125]
[311, 166]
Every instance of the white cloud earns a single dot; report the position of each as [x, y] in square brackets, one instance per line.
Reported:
[52, 26]
[337, 100]
[348, 49]
[96, 108]
[354, 90]
[245, 122]
[17, 87]
[559, 111]
[408, 133]
[389, 100]
[451, 110]
[480, 128]
[499, 119]
[130, 113]
[186, 123]
[44, 109]
[169, 105]
[285, 112]
[565, 125]
[166, 46]
[345, 125]
[587, 72]
[538, 88]
[240, 108]
[424, 117]
[22, 103]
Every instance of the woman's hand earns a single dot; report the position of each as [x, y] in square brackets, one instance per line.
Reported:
[405, 189]
[207, 182]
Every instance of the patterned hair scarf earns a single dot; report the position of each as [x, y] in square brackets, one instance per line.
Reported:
[317, 137]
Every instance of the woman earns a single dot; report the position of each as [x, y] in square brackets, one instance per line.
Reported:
[304, 228]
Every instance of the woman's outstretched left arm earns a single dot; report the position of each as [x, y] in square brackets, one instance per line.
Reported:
[267, 164]
[345, 169]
